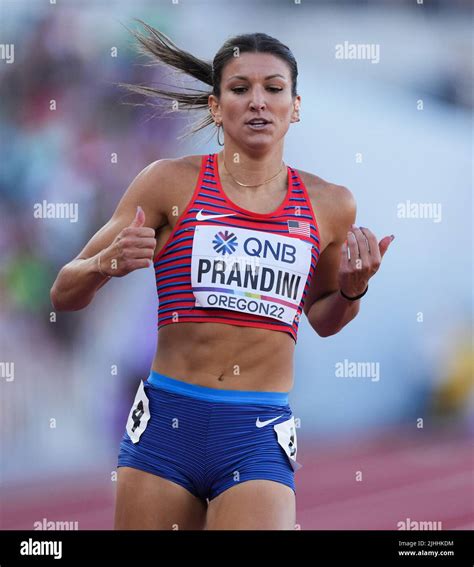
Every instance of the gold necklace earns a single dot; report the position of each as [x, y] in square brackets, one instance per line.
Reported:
[258, 185]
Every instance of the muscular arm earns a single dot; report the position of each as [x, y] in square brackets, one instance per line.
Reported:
[79, 280]
[327, 310]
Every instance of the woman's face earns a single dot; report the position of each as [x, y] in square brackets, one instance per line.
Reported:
[255, 86]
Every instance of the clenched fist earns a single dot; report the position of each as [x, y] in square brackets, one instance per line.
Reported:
[133, 248]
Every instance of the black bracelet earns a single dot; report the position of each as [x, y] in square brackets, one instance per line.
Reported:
[356, 297]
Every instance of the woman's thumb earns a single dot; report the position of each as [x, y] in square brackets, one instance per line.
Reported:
[139, 219]
[385, 243]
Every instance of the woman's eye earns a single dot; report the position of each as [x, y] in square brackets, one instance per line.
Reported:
[240, 90]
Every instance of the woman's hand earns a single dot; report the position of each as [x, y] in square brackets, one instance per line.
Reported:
[361, 259]
[133, 248]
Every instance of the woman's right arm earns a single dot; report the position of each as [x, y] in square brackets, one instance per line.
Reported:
[125, 243]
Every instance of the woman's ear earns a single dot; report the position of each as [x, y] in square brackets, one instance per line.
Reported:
[295, 115]
[214, 109]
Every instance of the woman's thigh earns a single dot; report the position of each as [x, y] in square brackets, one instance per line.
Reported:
[253, 505]
[145, 501]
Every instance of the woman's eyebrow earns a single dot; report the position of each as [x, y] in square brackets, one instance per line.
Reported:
[246, 78]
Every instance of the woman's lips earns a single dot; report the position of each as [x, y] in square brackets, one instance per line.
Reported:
[259, 125]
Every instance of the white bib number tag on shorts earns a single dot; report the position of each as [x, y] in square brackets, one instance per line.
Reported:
[139, 414]
[286, 435]
[249, 271]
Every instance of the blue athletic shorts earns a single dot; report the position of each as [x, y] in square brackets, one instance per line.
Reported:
[207, 439]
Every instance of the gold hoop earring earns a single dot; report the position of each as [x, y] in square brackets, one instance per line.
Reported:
[219, 126]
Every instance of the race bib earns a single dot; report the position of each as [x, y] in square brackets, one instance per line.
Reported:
[286, 435]
[249, 271]
[139, 414]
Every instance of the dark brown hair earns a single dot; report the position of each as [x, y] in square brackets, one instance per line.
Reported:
[156, 45]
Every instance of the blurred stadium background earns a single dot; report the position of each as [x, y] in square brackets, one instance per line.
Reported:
[394, 131]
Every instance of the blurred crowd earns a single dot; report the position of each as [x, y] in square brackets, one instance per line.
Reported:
[65, 138]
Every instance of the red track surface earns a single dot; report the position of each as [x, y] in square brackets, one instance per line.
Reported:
[418, 477]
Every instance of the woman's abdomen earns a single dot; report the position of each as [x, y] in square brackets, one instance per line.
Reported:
[224, 356]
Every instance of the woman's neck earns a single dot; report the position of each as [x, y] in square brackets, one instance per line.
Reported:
[250, 170]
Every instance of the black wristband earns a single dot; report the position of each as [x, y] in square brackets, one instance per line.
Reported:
[356, 297]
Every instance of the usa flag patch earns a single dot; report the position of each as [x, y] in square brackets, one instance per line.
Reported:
[299, 227]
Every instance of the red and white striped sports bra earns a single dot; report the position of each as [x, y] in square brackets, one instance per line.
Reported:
[225, 264]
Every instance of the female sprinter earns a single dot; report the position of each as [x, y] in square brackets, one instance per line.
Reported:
[210, 441]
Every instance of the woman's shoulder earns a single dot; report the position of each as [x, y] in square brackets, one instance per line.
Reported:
[172, 177]
[336, 198]
[335, 205]
[319, 188]
[173, 168]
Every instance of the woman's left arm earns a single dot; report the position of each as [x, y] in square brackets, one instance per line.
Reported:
[351, 258]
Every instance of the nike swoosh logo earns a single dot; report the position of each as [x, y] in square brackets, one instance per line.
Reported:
[259, 423]
[200, 216]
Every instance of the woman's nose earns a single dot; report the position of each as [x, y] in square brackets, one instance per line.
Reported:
[257, 100]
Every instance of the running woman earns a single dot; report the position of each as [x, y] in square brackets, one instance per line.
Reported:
[242, 244]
